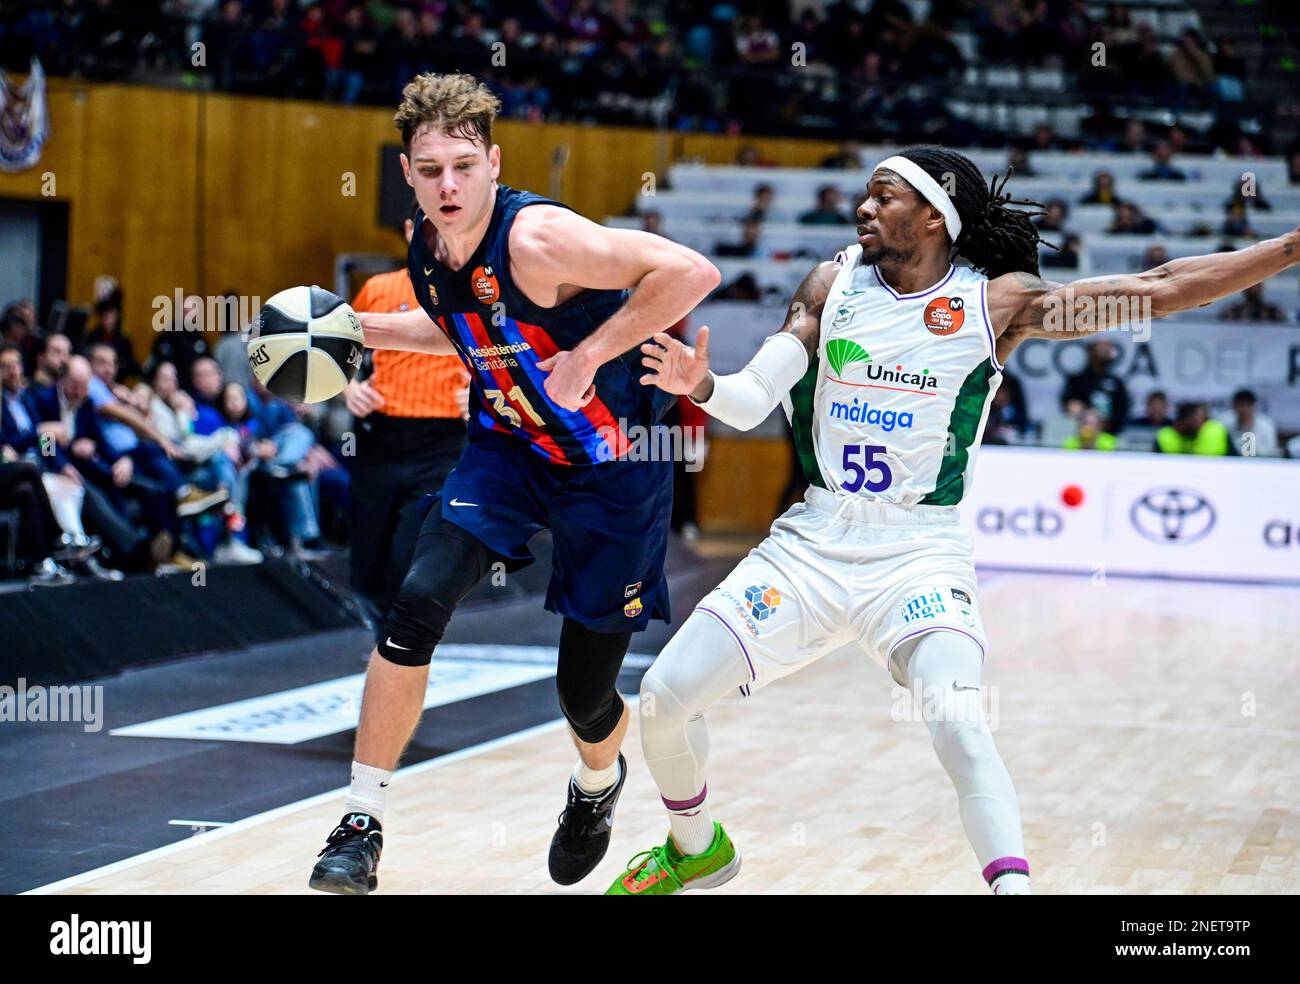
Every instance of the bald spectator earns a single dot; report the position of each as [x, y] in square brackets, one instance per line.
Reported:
[1162, 167]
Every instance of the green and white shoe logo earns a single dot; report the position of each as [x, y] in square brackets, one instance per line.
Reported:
[841, 352]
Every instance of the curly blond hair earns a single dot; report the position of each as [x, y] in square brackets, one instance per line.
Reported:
[455, 104]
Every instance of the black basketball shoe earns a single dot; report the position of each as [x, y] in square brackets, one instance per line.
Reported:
[349, 861]
[585, 826]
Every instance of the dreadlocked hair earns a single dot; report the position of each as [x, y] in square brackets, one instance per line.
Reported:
[994, 239]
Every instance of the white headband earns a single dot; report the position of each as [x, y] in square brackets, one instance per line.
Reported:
[929, 189]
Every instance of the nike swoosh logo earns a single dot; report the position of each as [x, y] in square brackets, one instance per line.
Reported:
[383, 785]
[955, 687]
[850, 293]
[395, 645]
[457, 502]
[428, 271]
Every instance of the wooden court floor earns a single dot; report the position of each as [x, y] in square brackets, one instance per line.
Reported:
[1152, 729]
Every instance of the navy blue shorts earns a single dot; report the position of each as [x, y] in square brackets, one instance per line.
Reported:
[608, 522]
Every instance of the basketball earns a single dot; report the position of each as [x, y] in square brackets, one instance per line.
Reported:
[305, 345]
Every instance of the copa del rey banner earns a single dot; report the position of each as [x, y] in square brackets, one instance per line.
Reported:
[24, 120]
[1096, 512]
[1190, 360]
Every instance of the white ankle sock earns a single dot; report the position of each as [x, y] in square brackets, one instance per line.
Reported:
[369, 790]
[591, 780]
[691, 824]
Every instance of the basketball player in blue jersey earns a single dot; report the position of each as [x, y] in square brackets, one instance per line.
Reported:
[887, 364]
[534, 299]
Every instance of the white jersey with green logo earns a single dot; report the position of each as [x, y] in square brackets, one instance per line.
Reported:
[894, 405]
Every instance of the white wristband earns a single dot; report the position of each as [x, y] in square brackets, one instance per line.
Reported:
[744, 399]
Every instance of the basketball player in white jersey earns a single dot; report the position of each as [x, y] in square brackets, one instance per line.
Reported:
[886, 366]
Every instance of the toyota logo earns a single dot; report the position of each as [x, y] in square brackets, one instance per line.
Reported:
[1172, 515]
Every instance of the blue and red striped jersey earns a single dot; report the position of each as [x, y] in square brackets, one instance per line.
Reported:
[501, 336]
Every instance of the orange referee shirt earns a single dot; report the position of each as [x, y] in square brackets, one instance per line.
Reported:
[412, 384]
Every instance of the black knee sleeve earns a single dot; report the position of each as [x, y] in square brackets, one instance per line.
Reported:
[585, 678]
[448, 562]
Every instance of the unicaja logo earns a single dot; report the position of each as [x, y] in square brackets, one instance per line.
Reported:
[1172, 515]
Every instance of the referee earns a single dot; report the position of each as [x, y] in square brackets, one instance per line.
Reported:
[410, 432]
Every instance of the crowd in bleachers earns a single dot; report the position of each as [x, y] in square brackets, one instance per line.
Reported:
[112, 464]
[866, 67]
[1096, 413]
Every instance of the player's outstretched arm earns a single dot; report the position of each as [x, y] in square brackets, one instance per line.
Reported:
[1025, 306]
[405, 331]
[558, 247]
[744, 399]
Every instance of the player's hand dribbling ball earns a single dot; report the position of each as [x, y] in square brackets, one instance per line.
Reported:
[306, 345]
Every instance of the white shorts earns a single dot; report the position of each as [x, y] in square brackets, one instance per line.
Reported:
[834, 572]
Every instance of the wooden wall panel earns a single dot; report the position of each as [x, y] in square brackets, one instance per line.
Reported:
[209, 192]
[737, 489]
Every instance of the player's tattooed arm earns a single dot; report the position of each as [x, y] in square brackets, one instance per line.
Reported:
[803, 319]
[1023, 305]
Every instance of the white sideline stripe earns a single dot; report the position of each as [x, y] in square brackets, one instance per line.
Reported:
[241, 825]
[299, 714]
[199, 823]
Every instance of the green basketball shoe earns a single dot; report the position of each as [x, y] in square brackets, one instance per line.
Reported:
[666, 871]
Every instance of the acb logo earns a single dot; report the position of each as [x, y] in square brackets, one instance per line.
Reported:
[944, 315]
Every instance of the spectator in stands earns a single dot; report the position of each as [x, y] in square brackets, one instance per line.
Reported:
[37, 536]
[651, 222]
[1253, 307]
[829, 210]
[1191, 64]
[1162, 168]
[1155, 413]
[1008, 416]
[52, 354]
[1149, 73]
[108, 327]
[1097, 386]
[751, 243]
[748, 156]
[1252, 432]
[1236, 223]
[130, 434]
[1018, 162]
[1229, 72]
[1053, 219]
[18, 328]
[847, 158]
[764, 196]
[65, 412]
[1090, 436]
[1045, 138]
[1129, 220]
[1293, 165]
[1154, 256]
[1135, 137]
[1193, 432]
[1067, 257]
[183, 341]
[1103, 190]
